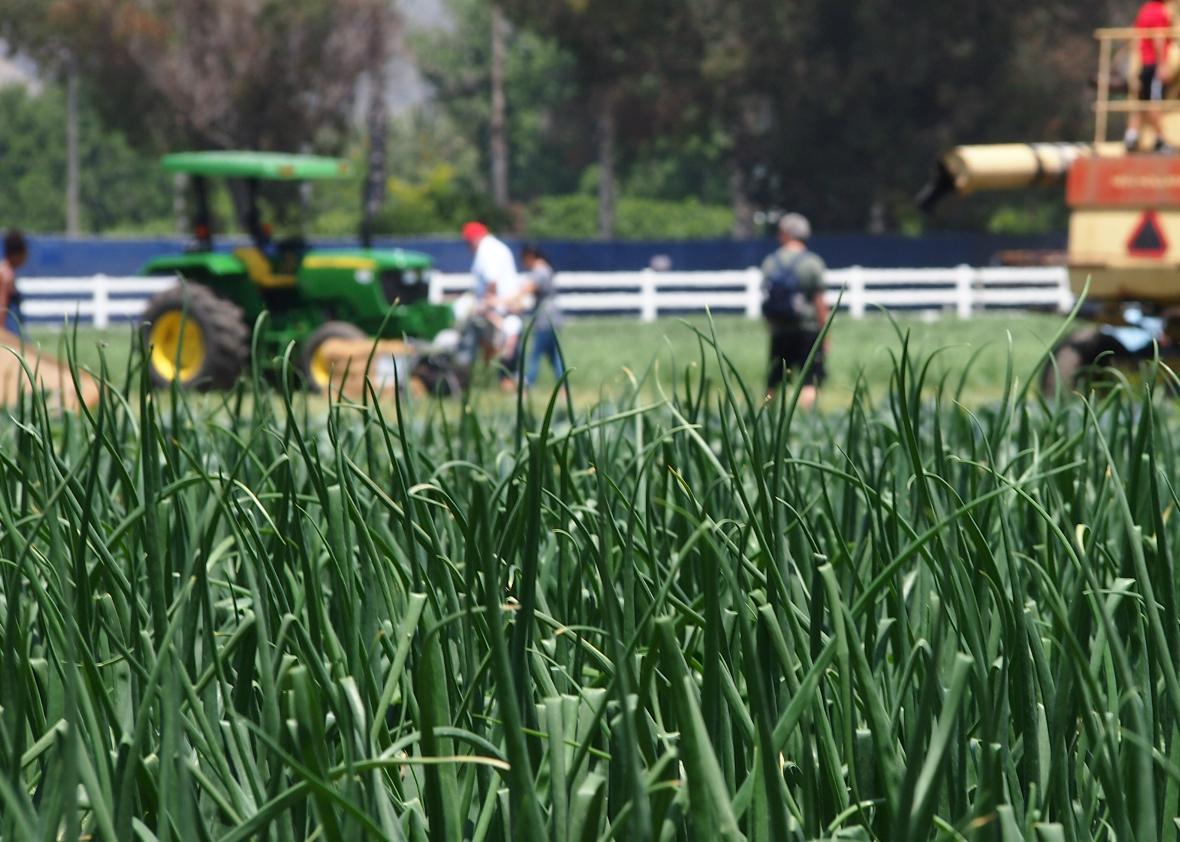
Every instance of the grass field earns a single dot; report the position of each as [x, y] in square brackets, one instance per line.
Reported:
[676, 617]
[607, 353]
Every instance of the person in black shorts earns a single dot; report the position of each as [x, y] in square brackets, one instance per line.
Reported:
[1151, 86]
[795, 308]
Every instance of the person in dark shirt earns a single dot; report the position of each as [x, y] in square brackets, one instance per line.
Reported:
[16, 252]
[795, 307]
[539, 283]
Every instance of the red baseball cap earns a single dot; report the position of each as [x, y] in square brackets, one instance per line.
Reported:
[474, 231]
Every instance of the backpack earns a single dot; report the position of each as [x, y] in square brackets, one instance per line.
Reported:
[784, 291]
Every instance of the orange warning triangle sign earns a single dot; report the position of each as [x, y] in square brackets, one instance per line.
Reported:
[1148, 238]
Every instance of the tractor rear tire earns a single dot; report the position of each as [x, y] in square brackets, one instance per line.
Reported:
[316, 369]
[195, 338]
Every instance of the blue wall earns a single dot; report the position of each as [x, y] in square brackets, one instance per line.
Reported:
[58, 256]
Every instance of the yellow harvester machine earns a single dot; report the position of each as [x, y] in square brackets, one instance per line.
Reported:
[1124, 231]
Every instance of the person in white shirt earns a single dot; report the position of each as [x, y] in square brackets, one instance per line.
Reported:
[497, 285]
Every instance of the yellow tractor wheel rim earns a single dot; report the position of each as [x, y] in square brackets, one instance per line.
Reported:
[320, 368]
[178, 346]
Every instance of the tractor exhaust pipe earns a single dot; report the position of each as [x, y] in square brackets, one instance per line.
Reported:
[940, 185]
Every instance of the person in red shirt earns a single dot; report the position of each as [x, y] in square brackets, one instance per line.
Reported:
[1153, 72]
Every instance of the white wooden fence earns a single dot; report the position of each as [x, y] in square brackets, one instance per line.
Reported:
[960, 290]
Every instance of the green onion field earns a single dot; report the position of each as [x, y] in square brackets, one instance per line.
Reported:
[940, 608]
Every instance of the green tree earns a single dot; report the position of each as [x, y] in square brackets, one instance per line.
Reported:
[262, 74]
[120, 188]
[834, 109]
[629, 60]
[434, 183]
[575, 217]
[861, 96]
[253, 74]
[545, 131]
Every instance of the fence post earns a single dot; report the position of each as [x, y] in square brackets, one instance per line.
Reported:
[648, 305]
[964, 278]
[1065, 300]
[856, 292]
[753, 292]
[102, 311]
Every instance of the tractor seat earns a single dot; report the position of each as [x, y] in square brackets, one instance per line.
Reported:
[289, 254]
[260, 270]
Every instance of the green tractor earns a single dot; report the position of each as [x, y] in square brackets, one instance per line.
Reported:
[199, 332]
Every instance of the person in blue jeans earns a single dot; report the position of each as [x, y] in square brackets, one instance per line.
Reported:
[16, 252]
[546, 314]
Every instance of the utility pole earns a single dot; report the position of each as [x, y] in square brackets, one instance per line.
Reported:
[606, 164]
[374, 185]
[73, 216]
[739, 201]
[499, 127]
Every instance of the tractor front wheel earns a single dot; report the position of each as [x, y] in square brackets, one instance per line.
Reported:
[317, 365]
[194, 338]
[1081, 360]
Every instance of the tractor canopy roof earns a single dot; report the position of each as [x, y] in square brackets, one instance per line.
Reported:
[273, 166]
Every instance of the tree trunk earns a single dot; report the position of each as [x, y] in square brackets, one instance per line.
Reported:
[878, 218]
[184, 225]
[740, 202]
[373, 191]
[499, 128]
[750, 120]
[73, 212]
[606, 165]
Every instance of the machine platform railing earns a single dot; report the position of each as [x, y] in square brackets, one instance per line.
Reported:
[962, 291]
[1104, 106]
